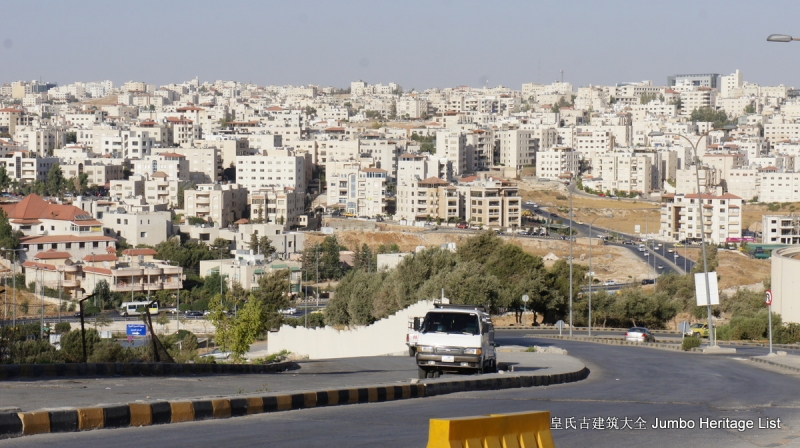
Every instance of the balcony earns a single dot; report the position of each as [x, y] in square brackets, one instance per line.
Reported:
[126, 287]
[153, 271]
[74, 283]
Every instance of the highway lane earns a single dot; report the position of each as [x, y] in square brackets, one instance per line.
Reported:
[625, 383]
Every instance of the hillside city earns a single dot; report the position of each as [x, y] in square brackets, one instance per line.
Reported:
[99, 175]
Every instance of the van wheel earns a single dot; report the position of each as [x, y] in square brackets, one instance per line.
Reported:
[422, 373]
[493, 366]
[411, 351]
[434, 374]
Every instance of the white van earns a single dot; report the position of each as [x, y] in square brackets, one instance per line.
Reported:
[456, 338]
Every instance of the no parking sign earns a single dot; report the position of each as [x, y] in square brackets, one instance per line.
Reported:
[768, 297]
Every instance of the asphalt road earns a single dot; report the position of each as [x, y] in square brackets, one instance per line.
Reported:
[627, 383]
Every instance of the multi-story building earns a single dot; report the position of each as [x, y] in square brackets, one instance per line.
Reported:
[137, 228]
[96, 174]
[220, 204]
[259, 171]
[744, 182]
[205, 163]
[170, 163]
[453, 147]
[490, 202]
[686, 179]
[431, 198]
[779, 186]
[10, 119]
[681, 217]
[26, 168]
[357, 190]
[282, 206]
[780, 229]
[39, 140]
[518, 147]
[557, 162]
[624, 171]
[701, 80]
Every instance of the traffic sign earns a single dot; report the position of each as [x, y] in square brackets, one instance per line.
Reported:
[683, 327]
[768, 297]
[136, 330]
[525, 298]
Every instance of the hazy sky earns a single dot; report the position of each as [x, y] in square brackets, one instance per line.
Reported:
[419, 44]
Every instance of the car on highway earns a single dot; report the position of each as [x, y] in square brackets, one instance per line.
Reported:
[462, 225]
[649, 281]
[639, 334]
[288, 311]
[660, 267]
[216, 354]
[678, 244]
[698, 330]
[609, 283]
[670, 250]
[193, 313]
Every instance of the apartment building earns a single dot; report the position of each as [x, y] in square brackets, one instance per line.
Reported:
[452, 146]
[681, 217]
[205, 163]
[137, 228]
[39, 140]
[780, 229]
[744, 182]
[277, 205]
[357, 190]
[686, 179]
[259, 171]
[383, 151]
[490, 202]
[26, 168]
[96, 174]
[696, 99]
[518, 147]
[220, 204]
[172, 164]
[625, 171]
[557, 163]
[10, 118]
[431, 198]
[779, 186]
[777, 132]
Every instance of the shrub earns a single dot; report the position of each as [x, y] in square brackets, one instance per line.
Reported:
[62, 327]
[72, 347]
[690, 343]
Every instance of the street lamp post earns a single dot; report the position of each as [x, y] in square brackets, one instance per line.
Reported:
[591, 273]
[711, 339]
[781, 38]
[570, 259]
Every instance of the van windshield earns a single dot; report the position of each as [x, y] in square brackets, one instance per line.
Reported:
[451, 323]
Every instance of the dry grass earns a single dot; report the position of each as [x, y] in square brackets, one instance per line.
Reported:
[735, 268]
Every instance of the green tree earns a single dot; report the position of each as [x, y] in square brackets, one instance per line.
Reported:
[221, 248]
[222, 322]
[254, 242]
[72, 346]
[708, 114]
[102, 294]
[249, 323]
[265, 247]
[71, 137]
[5, 180]
[54, 183]
[330, 265]
[9, 239]
[750, 109]
[273, 295]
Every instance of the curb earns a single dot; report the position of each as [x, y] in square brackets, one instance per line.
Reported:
[34, 371]
[608, 341]
[164, 412]
[554, 328]
[775, 364]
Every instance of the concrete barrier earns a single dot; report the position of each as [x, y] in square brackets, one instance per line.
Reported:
[17, 424]
[524, 429]
[24, 371]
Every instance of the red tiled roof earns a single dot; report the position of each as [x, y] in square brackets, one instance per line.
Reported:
[241, 221]
[274, 108]
[52, 254]
[44, 266]
[142, 251]
[97, 270]
[11, 109]
[171, 154]
[434, 180]
[34, 207]
[100, 257]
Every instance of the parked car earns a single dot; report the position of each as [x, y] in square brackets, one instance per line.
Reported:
[462, 225]
[639, 334]
[609, 283]
[216, 354]
[678, 244]
[193, 313]
[698, 330]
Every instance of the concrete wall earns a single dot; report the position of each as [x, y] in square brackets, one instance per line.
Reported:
[785, 283]
[384, 337]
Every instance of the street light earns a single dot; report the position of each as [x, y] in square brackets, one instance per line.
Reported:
[13, 280]
[591, 273]
[570, 258]
[178, 304]
[711, 339]
[781, 38]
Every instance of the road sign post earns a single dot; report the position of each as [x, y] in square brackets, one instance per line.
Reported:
[525, 299]
[560, 326]
[683, 327]
[768, 301]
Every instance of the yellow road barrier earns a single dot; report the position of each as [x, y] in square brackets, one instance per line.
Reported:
[516, 430]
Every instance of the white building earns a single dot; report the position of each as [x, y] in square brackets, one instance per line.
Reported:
[721, 217]
[557, 163]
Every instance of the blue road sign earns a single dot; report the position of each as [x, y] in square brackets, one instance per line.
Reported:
[136, 330]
